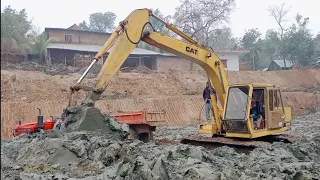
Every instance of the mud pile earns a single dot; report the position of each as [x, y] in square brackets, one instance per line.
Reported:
[110, 154]
[139, 69]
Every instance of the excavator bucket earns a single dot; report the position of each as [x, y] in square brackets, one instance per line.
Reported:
[89, 118]
[84, 118]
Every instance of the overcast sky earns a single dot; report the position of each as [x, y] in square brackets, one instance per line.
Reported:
[248, 13]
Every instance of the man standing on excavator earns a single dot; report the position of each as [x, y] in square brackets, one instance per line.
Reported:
[207, 99]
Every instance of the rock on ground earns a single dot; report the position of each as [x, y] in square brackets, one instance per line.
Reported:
[99, 155]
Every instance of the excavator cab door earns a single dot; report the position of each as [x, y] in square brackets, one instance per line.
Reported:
[237, 104]
[276, 115]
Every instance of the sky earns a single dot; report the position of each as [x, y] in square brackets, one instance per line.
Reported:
[247, 14]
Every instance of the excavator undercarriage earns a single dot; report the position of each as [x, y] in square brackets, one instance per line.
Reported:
[239, 144]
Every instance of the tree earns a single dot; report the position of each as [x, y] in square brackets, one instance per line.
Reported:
[252, 41]
[39, 45]
[298, 43]
[15, 25]
[271, 46]
[317, 38]
[223, 39]
[83, 25]
[100, 22]
[198, 18]
[279, 13]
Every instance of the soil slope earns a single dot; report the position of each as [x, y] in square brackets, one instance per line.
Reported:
[179, 93]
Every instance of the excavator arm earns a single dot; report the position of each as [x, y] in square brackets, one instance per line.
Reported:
[134, 29]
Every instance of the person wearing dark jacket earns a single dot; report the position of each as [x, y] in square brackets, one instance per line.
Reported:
[207, 99]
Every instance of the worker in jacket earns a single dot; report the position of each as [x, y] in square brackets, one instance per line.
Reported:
[207, 99]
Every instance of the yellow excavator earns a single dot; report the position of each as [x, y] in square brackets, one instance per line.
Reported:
[234, 121]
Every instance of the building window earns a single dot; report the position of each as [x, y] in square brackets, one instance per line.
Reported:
[224, 61]
[68, 38]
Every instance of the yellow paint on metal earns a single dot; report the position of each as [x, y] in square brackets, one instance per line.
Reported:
[287, 111]
[208, 129]
[257, 134]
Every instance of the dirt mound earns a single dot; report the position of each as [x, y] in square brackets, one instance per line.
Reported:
[139, 69]
[100, 155]
[32, 66]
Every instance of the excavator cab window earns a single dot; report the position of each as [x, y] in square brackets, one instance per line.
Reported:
[237, 102]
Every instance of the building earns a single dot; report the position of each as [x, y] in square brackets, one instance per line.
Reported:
[230, 60]
[277, 65]
[76, 47]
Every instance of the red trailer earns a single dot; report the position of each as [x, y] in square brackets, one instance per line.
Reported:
[142, 123]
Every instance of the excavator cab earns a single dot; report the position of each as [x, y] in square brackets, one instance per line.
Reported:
[251, 111]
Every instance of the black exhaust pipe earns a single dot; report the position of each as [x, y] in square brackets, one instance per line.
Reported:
[40, 120]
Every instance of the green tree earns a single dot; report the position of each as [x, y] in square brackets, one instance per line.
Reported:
[270, 47]
[298, 44]
[317, 41]
[15, 26]
[39, 45]
[223, 39]
[252, 42]
[102, 22]
[83, 25]
[317, 38]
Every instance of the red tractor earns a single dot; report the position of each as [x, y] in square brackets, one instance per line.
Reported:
[33, 127]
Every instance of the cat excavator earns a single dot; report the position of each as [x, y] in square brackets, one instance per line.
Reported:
[232, 122]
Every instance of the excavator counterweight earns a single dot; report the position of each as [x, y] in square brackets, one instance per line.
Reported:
[247, 110]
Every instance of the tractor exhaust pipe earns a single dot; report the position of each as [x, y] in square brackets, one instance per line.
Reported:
[40, 120]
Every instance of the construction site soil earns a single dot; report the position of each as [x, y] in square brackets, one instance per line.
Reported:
[179, 93]
[110, 153]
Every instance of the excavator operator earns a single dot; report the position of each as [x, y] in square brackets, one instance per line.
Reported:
[255, 111]
[207, 99]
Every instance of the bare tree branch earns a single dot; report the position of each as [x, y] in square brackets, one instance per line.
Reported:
[198, 17]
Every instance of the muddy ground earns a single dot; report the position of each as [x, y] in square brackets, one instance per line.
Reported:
[111, 154]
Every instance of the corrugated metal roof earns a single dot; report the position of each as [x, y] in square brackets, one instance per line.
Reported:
[95, 48]
[281, 63]
[75, 30]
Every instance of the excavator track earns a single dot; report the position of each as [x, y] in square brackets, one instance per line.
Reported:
[238, 144]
